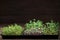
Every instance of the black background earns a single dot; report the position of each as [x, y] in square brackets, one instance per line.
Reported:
[21, 11]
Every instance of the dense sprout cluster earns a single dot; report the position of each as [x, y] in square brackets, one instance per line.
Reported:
[49, 28]
[12, 30]
[33, 27]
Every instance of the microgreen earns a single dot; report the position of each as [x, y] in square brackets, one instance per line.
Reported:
[12, 30]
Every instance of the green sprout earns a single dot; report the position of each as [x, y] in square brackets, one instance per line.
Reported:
[34, 26]
[51, 28]
[12, 30]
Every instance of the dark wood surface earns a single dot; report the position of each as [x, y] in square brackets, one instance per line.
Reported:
[30, 39]
[24, 10]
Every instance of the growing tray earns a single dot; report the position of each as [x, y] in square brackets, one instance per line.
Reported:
[30, 36]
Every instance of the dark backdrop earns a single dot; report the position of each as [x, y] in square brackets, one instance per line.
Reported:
[21, 11]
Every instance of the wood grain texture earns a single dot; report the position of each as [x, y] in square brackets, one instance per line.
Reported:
[31, 39]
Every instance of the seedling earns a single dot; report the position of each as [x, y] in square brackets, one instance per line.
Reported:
[51, 28]
[34, 26]
[12, 30]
